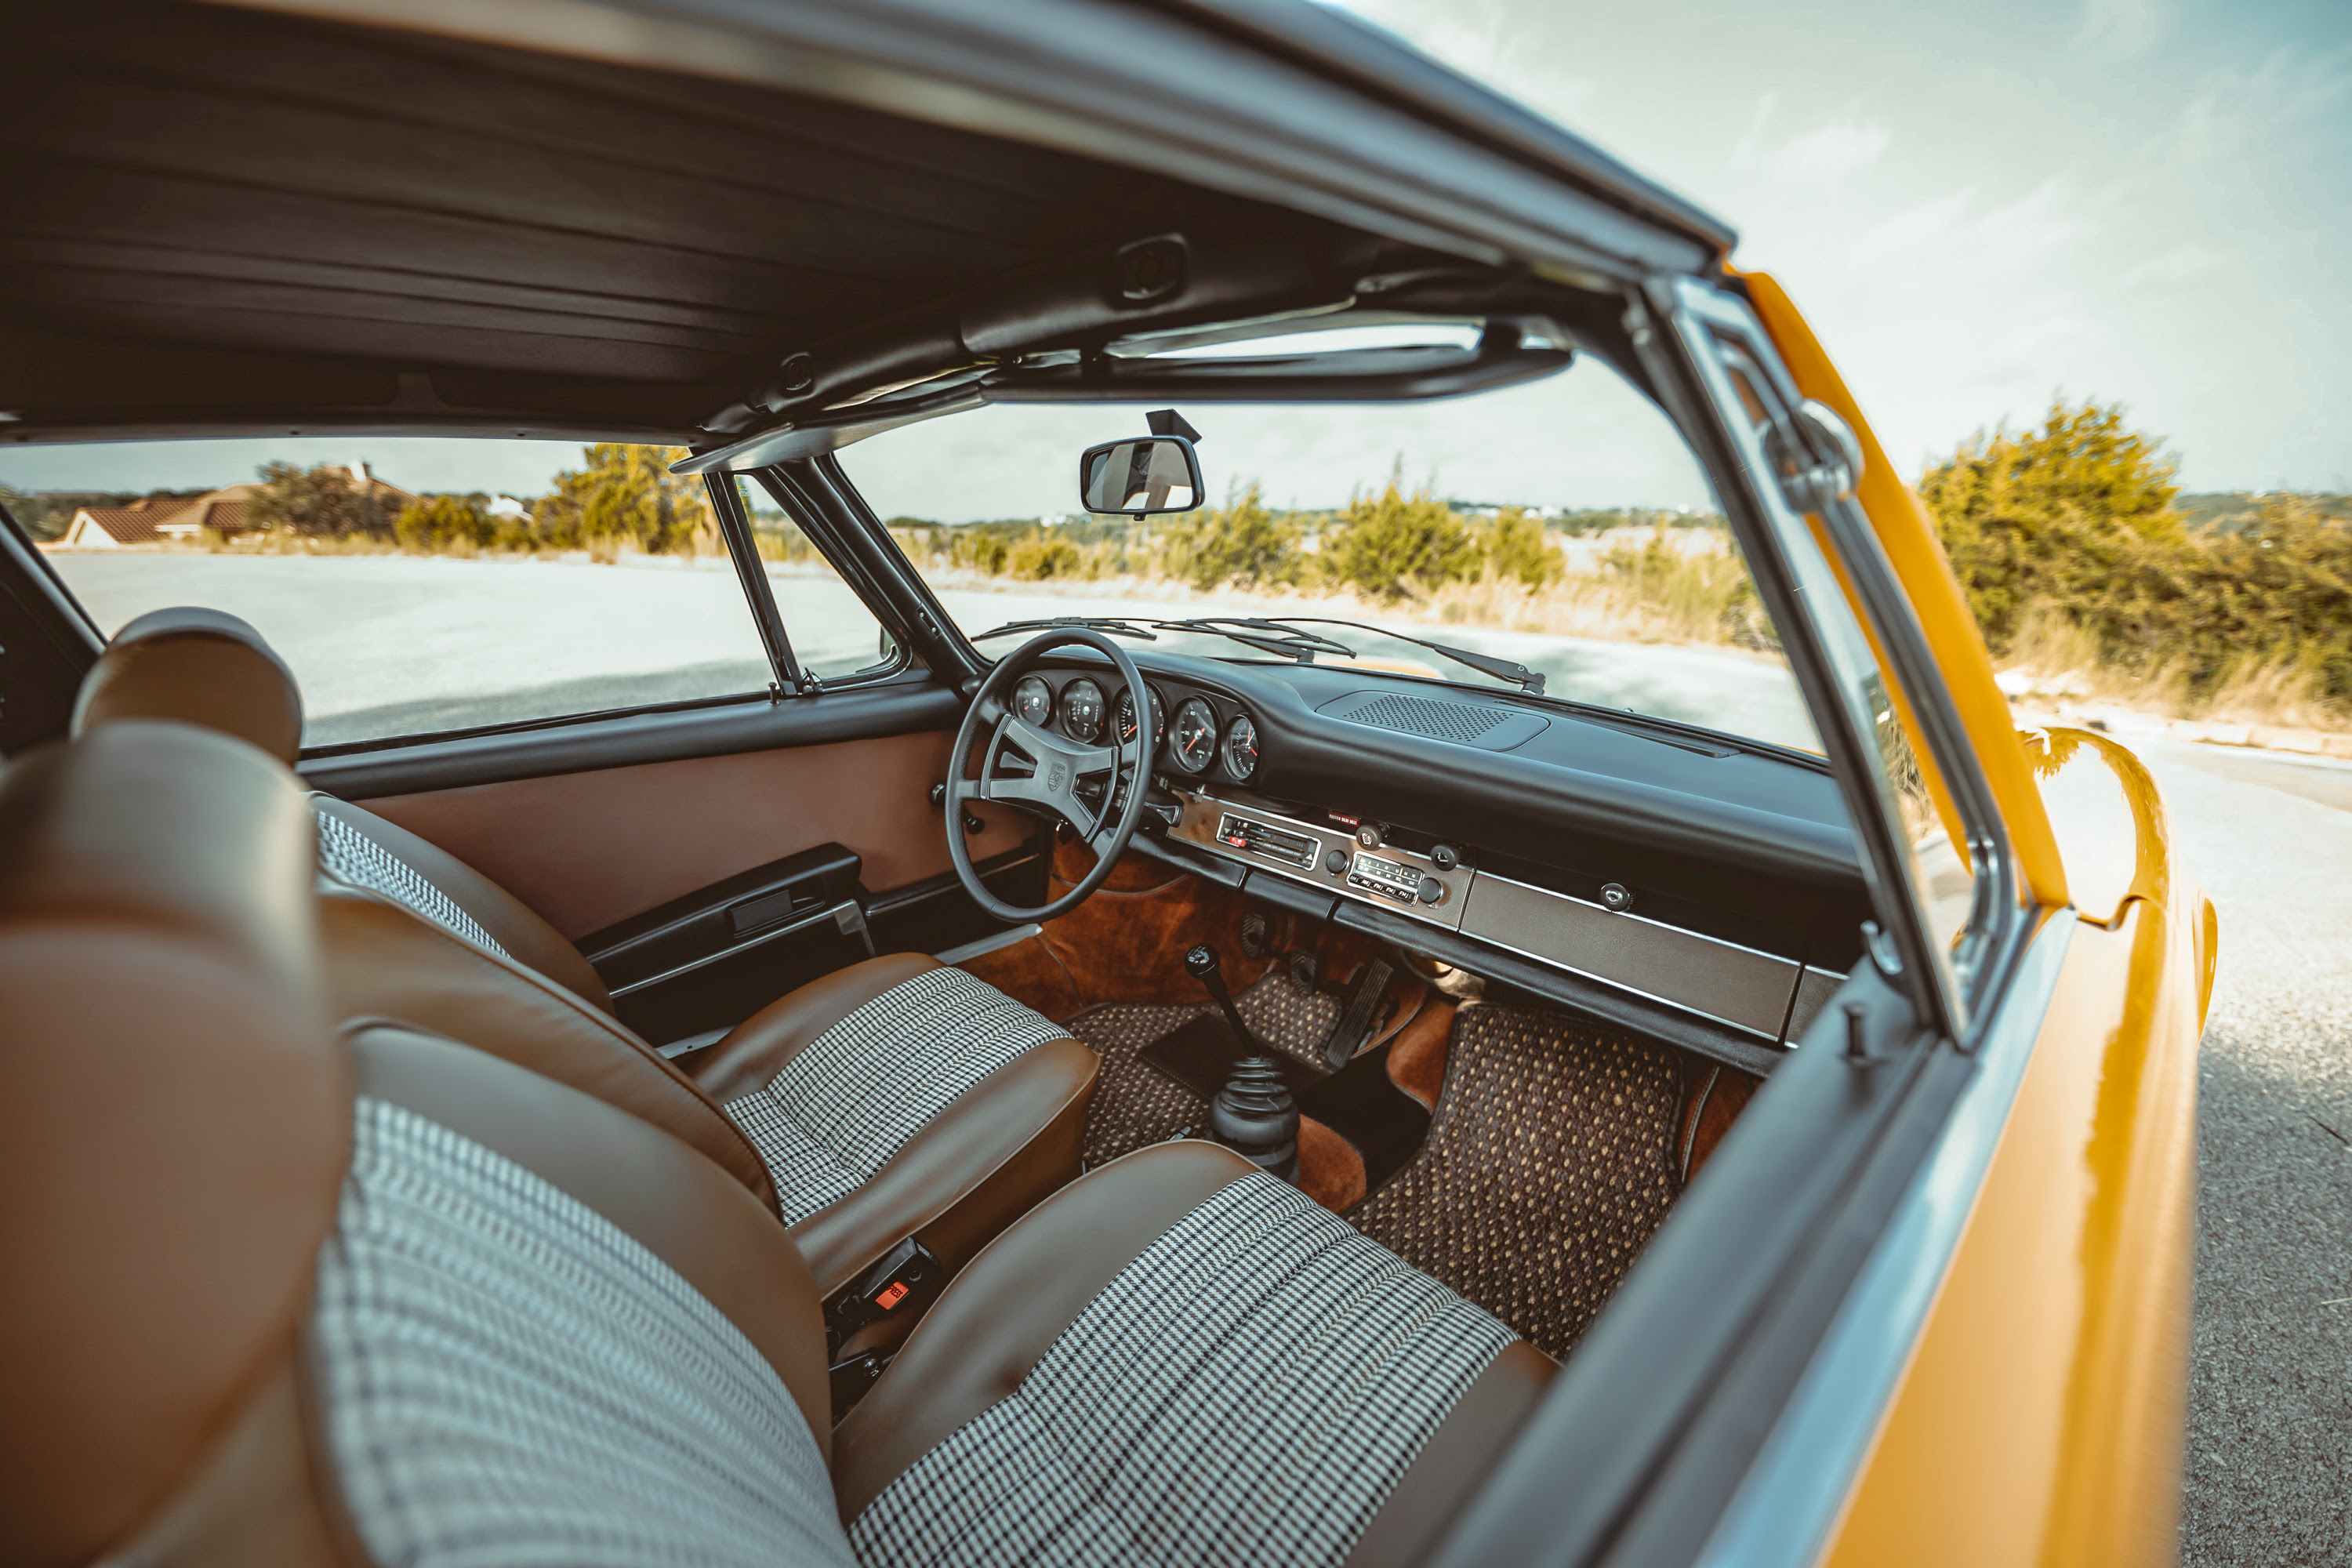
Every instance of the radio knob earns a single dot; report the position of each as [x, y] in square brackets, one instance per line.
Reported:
[1336, 862]
[1432, 889]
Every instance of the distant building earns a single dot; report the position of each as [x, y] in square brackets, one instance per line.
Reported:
[160, 519]
[168, 519]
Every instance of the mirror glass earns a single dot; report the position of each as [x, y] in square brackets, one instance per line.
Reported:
[1154, 473]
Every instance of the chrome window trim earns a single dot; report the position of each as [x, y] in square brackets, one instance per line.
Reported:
[1795, 1489]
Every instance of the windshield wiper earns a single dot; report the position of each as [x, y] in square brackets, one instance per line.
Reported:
[1527, 680]
[1267, 636]
[1115, 626]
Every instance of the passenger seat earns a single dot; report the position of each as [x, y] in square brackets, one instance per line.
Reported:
[399, 1301]
[893, 1099]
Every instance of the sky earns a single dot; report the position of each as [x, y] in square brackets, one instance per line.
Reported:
[1979, 208]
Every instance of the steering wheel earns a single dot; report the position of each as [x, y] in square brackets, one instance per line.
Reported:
[1056, 765]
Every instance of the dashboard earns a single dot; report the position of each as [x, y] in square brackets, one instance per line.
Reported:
[1699, 889]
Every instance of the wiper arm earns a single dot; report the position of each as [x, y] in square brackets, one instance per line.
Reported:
[1116, 627]
[1529, 680]
[1267, 636]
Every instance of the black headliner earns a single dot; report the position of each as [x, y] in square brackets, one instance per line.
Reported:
[223, 219]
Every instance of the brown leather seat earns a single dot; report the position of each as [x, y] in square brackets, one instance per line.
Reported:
[890, 1099]
[403, 1301]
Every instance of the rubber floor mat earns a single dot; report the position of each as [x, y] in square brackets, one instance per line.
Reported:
[1135, 1104]
[1548, 1166]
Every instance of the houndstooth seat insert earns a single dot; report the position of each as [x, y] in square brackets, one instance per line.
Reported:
[351, 857]
[853, 1097]
[1250, 1389]
[505, 1376]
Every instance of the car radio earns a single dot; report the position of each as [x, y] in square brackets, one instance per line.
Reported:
[1262, 838]
[1390, 878]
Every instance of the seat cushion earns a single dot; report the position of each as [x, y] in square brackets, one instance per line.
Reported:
[1248, 1379]
[842, 1105]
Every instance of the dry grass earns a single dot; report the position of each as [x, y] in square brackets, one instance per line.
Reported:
[2054, 659]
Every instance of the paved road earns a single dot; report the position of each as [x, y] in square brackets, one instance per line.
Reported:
[2269, 1461]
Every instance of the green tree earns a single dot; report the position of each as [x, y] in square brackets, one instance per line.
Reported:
[1241, 542]
[2052, 515]
[1389, 544]
[320, 503]
[626, 495]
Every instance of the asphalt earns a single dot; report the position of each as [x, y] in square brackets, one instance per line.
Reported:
[2268, 1468]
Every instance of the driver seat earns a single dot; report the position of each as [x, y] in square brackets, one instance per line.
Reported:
[896, 1097]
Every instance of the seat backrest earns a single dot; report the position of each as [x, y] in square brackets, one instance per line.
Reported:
[208, 668]
[277, 1294]
[411, 932]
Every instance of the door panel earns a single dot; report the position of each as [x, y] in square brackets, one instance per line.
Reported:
[588, 850]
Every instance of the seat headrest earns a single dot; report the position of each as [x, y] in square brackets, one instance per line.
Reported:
[199, 666]
[175, 1116]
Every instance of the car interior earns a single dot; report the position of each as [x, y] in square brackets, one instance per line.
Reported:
[1081, 1098]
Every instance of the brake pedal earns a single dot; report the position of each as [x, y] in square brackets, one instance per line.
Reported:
[1305, 971]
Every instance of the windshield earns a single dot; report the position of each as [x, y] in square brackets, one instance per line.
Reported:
[1560, 527]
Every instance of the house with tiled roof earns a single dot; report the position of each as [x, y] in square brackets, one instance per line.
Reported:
[160, 519]
[178, 520]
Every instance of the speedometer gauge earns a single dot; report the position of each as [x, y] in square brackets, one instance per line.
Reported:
[1034, 700]
[1195, 736]
[1241, 749]
[1082, 711]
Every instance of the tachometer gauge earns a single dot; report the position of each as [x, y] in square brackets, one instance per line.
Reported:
[1196, 736]
[1241, 749]
[1082, 711]
[1122, 715]
[1034, 700]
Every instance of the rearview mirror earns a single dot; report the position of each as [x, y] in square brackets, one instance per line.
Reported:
[1151, 473]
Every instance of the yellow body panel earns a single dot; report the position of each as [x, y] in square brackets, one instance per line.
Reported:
[2041, 1418]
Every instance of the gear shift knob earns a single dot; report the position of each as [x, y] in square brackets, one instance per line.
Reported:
[1200, 962]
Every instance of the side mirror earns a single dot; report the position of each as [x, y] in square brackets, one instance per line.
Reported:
[1148, 474]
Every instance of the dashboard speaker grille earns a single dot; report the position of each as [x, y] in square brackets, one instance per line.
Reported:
[1453, 722]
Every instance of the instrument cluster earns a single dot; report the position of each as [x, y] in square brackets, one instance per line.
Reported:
[1195, 734]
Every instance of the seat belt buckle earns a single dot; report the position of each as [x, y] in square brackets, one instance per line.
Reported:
[895, 1286]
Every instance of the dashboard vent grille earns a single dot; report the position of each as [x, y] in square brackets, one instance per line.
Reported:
[1453, 722]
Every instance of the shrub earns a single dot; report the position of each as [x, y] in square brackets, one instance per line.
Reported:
[1515, 546]
[1388, 545]
[1041, 559]
[1241, 542]
[432, 524]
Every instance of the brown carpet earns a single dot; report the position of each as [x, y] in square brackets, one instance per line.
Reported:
[1549, 1162]
[1136, 1104]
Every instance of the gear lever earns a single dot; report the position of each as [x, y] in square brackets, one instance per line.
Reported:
[1254, 1114]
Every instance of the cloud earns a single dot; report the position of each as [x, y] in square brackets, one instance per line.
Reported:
[2122, 27]
[1824, 155]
